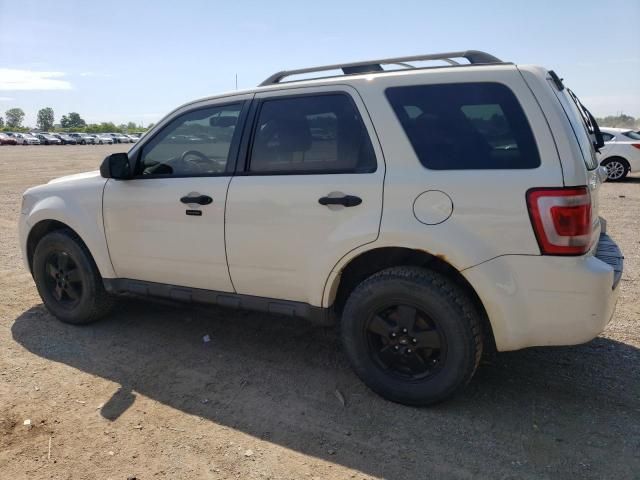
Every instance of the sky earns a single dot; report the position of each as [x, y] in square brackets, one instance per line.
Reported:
[135, 61]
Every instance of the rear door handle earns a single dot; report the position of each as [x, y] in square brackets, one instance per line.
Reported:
[346, 200]
[199, 199]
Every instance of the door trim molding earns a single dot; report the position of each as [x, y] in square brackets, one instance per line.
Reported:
[316, 315]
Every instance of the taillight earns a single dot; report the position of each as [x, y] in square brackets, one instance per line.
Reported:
[637, 145]
[561, 219]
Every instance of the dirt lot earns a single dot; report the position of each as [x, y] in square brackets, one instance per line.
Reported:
[140, 394]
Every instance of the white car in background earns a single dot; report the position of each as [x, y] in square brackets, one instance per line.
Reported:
[621, 152]
[103, 139]
[119, 138]
[132, 138]
[26, 139]
[83, 138]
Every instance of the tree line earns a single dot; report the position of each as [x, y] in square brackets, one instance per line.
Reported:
[619, 121]
[72, 122]
[75, 123]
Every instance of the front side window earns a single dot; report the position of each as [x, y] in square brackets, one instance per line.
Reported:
[465, 126]
[195, 143]
[311, 134]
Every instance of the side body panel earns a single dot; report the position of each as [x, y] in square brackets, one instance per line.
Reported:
[489, 217]
[76, 202]
[281, 242]
[151, 237]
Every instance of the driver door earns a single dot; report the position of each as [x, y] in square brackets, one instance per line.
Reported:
[166, 225]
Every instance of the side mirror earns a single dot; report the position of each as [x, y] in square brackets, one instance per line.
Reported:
[116, 166]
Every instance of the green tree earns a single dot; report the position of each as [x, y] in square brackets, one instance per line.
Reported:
[1, 122]
[15, 116]
[619, 121]
[73, 120]
[45, 119]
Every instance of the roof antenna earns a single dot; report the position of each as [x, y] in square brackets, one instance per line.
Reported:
[236, 81]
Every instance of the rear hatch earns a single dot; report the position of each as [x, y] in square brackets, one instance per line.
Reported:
[587, 134]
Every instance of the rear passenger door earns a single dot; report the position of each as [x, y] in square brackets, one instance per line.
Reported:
[309, 192]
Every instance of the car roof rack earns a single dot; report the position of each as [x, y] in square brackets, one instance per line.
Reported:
[474, 57]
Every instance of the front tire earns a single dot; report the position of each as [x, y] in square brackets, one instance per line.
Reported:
[68, 280]
[412, 335]
[617, 169]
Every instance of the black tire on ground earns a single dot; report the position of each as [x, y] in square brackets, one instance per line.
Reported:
[429, 361]
[617, 168]
[68, 280]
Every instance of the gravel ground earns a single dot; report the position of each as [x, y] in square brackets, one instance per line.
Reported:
[141, 395]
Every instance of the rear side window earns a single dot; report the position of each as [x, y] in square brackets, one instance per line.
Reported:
[465, 126]
[607, 137]
[312, 134]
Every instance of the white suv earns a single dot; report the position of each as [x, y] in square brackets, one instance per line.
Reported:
[430, 211]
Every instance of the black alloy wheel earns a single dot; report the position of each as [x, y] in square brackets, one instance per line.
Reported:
[63, 279]
[406, 342]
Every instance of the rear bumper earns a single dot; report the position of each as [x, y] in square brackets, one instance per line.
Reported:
[546, 300]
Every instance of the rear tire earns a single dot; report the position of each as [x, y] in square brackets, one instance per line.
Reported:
[68, 280]
[617, 168]
[412, 335]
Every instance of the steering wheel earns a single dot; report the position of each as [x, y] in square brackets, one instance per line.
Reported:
[201, 163]
[195, 153]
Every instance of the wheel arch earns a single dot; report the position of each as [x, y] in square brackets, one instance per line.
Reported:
[44, 227]
[616, 157]
[371, 261]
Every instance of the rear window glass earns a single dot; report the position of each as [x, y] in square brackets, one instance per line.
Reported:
[465, 126]
[632, 135]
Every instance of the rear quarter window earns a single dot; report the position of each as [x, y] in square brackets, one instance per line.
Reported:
[465, 126]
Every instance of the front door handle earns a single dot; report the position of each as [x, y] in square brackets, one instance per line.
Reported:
[346, 200]
[199, 199]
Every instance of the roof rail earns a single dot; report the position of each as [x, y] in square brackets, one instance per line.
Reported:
[370, 66]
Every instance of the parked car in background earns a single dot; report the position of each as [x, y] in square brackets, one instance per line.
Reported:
[119, 138]
[65, 138]
[7, 139]
[48, 139]
[26, 139]
[621, 152]
[132, 138]
[103, 139]
[83, 138]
